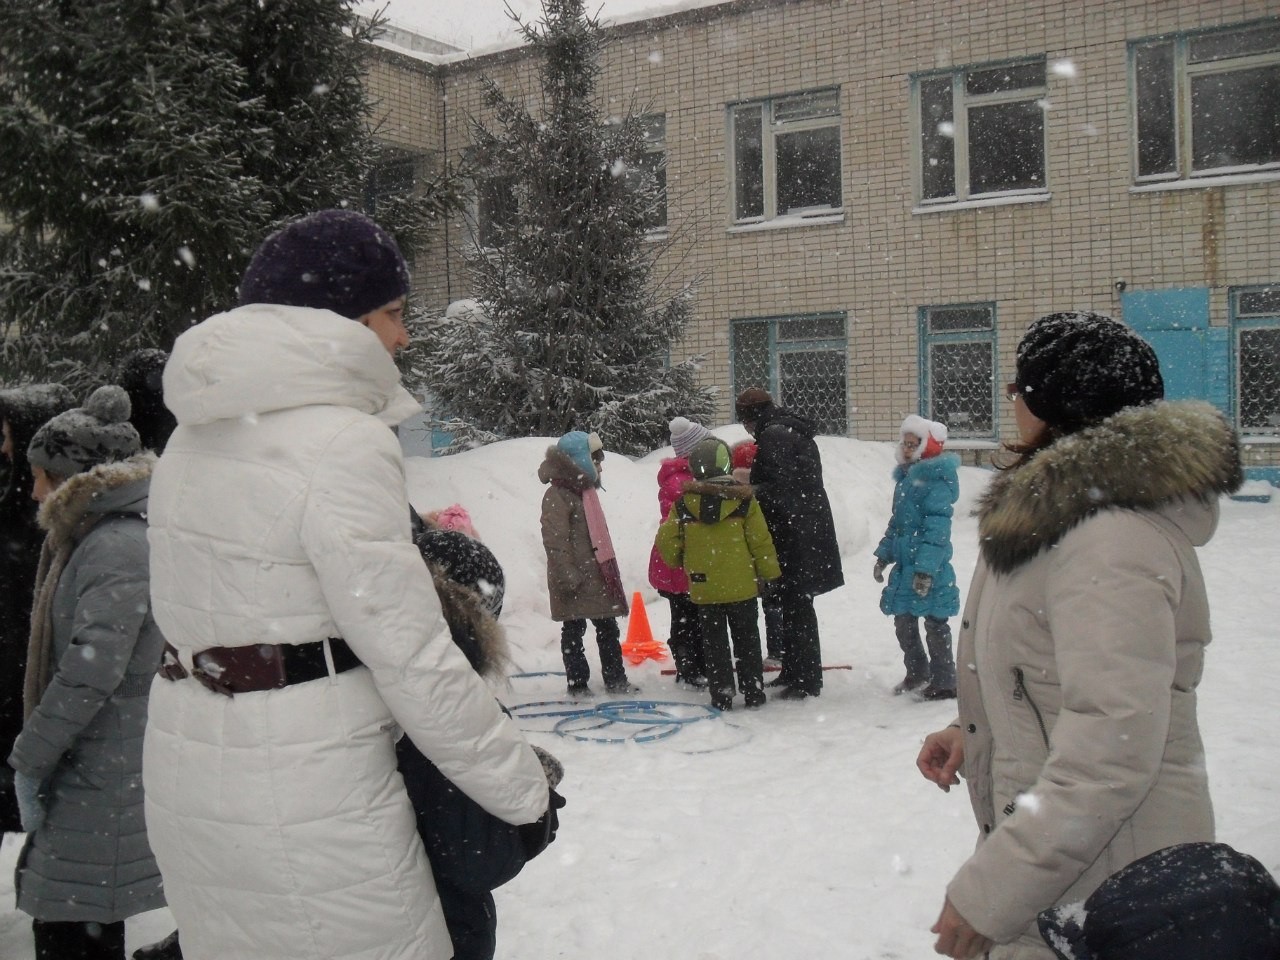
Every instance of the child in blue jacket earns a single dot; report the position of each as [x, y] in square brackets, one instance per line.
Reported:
[917, 543]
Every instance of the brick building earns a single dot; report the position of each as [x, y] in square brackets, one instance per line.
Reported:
[877, 197]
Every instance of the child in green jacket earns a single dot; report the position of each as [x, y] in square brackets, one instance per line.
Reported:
[717, 533]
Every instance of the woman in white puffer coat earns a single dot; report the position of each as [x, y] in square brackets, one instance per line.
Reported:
[284, 575]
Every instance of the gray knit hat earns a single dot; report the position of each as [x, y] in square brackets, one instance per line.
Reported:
[98, 432]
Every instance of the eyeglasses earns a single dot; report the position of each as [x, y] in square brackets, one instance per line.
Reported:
[1011, 392]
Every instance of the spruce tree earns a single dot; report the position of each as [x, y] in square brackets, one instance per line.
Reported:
[147, 147]
[569, 330]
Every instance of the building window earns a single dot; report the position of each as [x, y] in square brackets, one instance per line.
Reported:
[786, 156]
[980, 131]
[1207, 103]
[393, 175]
[1255, 318]
[801, 361]
[494, 213]
[653, 163]
[957, 368]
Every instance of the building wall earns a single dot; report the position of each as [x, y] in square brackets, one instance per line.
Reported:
[409, 114]
[885, 259]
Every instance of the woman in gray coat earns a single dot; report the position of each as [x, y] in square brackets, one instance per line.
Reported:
[93, 653]
[1082, 640]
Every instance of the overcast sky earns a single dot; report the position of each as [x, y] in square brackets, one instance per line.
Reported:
[473, 24]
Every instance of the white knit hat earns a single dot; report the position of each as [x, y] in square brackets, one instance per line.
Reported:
[685, 435]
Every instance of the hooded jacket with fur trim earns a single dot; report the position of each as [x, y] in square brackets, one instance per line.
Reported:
[1079, 652]
[576, 587]
[90, 860]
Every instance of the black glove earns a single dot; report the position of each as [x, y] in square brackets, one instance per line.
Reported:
[766, 588]
[537, 835]
[878, 570]
[922, 583]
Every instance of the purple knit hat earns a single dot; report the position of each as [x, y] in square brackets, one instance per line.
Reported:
[335, 260]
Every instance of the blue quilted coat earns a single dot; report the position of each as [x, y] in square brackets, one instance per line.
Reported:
[918, 538]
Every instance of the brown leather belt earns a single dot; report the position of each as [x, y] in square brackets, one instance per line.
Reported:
[261, 666]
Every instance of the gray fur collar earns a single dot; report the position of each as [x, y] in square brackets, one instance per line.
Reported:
[89, 494]
[1140, 458]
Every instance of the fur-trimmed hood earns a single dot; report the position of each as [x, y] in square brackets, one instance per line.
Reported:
[1141, 458]
[560, 466]
[474, 629]
[117, 487]
[725, 487]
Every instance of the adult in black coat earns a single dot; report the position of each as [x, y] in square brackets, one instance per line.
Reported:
[24, 410]
[787, 477]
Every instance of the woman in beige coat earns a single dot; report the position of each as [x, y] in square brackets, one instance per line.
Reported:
[1082, 640]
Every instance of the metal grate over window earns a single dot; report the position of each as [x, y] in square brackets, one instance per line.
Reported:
[958, 368]
[1257, 320]
[802, 361]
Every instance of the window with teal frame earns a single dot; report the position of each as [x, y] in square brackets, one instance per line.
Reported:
[801, 361]
[1206, 103]
[1255, 341]
[957, 368]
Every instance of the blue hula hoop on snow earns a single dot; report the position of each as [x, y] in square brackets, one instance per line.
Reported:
[604, 722]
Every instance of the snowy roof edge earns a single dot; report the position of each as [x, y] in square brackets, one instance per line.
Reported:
[649, 20]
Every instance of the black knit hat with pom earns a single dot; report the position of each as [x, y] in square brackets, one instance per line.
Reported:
[1075, 369]
[98, 432]
[335, 260]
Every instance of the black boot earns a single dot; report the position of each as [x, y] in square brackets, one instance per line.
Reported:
[166, 949]
[908, 684]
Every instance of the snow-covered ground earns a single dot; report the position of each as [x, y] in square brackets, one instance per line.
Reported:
[803, 829]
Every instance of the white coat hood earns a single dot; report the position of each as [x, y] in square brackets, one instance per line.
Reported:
[264, 357]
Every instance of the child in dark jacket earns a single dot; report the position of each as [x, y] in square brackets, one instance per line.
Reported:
[472, 852]
[717, 533]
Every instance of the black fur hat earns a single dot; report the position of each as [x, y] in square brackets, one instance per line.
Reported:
[141, 375]
[26, 408]
[1075, 369]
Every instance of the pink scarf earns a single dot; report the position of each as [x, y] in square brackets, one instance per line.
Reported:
[602, 543]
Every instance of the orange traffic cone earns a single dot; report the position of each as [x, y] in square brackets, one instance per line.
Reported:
[640, 645]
